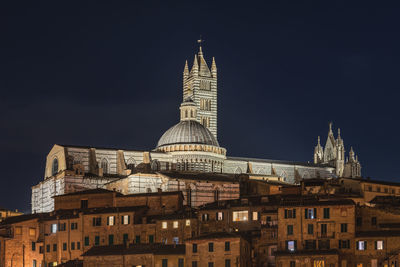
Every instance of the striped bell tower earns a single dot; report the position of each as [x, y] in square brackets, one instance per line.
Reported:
[200, 84]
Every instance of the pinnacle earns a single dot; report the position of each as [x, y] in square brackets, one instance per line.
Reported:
[213, 65]
[186, 69]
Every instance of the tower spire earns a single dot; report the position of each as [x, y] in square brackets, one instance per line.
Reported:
[186, 69]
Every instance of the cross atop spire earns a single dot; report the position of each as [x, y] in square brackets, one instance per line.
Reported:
[200, 41]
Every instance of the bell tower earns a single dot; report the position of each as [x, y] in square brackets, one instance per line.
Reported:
[200, 84]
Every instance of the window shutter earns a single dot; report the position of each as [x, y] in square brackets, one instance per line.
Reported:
[285, 213]
[286, 245]
[305, 214]
[216, 216]
[357, 245]
[340, 243]
[348, 243]
[295, 244]
[294, 213]
[365, 245]
[108, 220]
[376, 245]
[94, 221]
[315, 213]
[129, 219]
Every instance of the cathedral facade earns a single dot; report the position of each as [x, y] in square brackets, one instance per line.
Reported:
[189, 147]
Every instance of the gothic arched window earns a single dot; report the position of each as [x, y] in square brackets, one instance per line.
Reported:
[104, 166]
[54, 167]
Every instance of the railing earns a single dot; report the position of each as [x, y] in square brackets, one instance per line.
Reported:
[326, 235]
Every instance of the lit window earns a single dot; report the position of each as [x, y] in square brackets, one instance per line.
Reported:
[164, 225]
[291, 245]
[175, 224]
[32, 231]
[18, 230]
[379, 245]
[175, 240]
[205, 217]
[125, 219]
[220, 216]
[54, 228]
[319, 263]
[239, 216]
[187, 222]
[361, 245]
[110, 220]
[255, 215]
[310, 213]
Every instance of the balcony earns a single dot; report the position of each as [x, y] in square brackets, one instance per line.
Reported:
[326, 235]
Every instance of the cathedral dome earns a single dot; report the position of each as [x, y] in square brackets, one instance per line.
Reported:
[187, 132]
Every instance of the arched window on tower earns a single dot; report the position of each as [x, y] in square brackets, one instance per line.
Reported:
[104, 166]
[54, 167]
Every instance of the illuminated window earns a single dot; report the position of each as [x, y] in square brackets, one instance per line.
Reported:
[255, 215]
[220, 216]
[18, 230]
[187, 222]
[110, 220]
[175, 240]
[361, 245]
[291, 245]
[310, 213]
[125, 219]
[379, 245]
[205, 217]
[54, 228]
[164, 225]
[239, 216]
[32, 231]
[319, 263]
[175, 224]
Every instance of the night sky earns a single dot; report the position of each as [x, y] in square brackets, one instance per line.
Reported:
[110, 74]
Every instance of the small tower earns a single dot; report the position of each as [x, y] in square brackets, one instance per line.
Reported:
[200, 84]
[318, 152]
[339, 155]
[330, 146]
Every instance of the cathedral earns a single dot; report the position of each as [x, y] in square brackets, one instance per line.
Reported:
[187, 157]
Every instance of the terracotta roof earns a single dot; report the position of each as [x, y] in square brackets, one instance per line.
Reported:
[158, 249]
[22, 218]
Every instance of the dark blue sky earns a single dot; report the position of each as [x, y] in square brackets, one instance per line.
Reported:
[110, 74]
